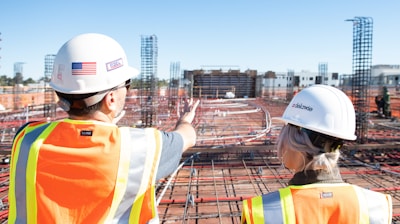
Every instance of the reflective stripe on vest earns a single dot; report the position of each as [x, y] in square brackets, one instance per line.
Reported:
[279, 206]
[380, 210]
[137, 146]
[143, 208]
[19, 200]
[263, 209]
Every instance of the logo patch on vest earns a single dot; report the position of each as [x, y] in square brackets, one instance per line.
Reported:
[86, 133]
[326, 195]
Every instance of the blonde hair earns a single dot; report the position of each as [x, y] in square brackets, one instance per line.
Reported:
[292, 138]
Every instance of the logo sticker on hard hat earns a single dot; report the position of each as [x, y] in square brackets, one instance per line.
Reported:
[302, 107]
[60, 71]
[83, 68]
[114, 64]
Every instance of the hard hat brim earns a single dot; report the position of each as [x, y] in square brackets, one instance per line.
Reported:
[299, 124]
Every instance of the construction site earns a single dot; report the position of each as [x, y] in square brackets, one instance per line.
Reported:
[235, 155]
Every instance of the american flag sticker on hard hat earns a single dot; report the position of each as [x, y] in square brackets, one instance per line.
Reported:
[83, 68]
[114, 64]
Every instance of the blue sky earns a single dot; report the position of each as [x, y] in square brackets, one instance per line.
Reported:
[254, 34]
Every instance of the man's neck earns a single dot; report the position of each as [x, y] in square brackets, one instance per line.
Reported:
[96, 116]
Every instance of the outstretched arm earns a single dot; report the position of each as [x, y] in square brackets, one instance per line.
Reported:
[185, 129]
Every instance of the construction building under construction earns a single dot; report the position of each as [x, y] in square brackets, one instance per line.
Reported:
[216, 83]
[235, 156]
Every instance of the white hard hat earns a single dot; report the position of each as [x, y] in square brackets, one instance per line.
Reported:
[90, 63]
[322, 109]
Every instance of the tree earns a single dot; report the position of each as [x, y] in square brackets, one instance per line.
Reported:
[7, 81]
[162, 82]
[135, 83]
[28, 81]
[3, 80]
[45, 79]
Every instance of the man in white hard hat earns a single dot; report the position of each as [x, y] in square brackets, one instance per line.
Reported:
[86, 169]
[318, 120]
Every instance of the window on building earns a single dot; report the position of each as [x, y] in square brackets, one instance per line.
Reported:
[335, 76]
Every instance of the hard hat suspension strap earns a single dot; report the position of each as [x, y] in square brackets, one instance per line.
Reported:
[325, 142]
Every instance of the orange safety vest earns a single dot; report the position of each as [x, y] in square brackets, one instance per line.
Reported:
[73, 171]
[318, 203]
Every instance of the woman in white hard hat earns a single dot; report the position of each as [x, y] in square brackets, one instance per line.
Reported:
[86, 169]
[318, 119]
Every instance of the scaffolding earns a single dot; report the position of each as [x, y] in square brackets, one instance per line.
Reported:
[322, 73]
[290, 85]
[49, 109]
[173, 87]
[270, 78]
[362, 62]
[148, 90]
[18, 84]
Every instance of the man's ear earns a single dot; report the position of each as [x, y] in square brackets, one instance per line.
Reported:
[110, 101]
